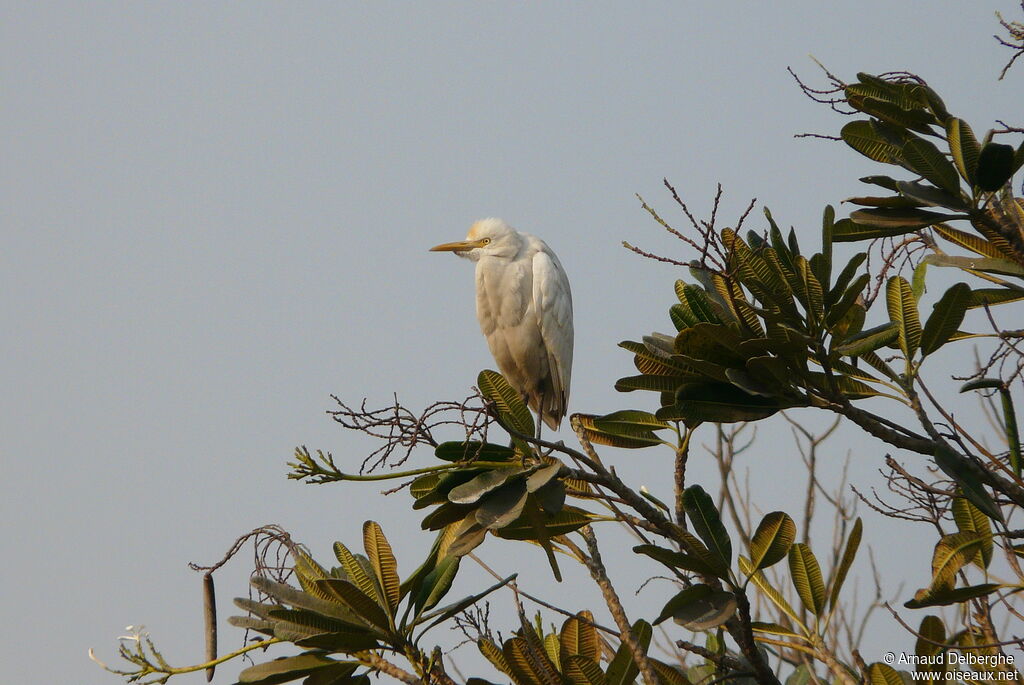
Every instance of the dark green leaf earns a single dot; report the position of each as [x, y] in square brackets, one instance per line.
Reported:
[471, 492]
[701, 511]
[931, 196]
[946, 317]
[567, 520]
[473, 451]
[945, 596]
[995, 166]
[994, 296]
[688, 562]
[284, 670]
[886, 182]
[954, 465]
[682, 598]
[437, 583]
[717, 402]
[848, 231]
[502, 506]
[902, 219]
[705, 612]
[925, 159]
[622, 670]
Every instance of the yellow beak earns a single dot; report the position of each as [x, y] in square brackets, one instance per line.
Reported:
[460, 246]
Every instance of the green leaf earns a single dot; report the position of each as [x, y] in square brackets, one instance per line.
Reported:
[1012, 433]
[848, 231]
[635, 439]
[886, 182]
[903, 220]
[849, 553]
[931, 196]
[583, 671]
[503, 505]
[806, 574]
[286, 594]
[946, 317]
[945, 596]
[682, 598]
[703, 565]
[899, 300]
[622, 670]
[869, 340]
[952, 553]
[443, 614]
[988, 265]
[970, 241]
[969, 519]
[994, 296]
[964, 148]
[925, 159]
[772, 539]
[995, 166]
[473, 450]
[578, 636]
[382, 559]
[628, 428]
[512, 411]
[954, 466]
[930, 632]
[717, 402]
[865, 137]
[704, 612]
[881, 674]
[471, 491]
[361, 604]
[567, 520]
[437, 583]
[767, 588]
[358, 574]
[701, 511]
[285, 669]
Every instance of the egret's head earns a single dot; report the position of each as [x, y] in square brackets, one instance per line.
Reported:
[487, 237]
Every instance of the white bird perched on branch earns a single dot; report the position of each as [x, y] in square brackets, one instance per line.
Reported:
[524, 306]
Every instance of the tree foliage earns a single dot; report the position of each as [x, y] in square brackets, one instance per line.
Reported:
[760, 325]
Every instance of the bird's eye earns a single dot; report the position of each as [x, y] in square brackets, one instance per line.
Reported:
[485, 241]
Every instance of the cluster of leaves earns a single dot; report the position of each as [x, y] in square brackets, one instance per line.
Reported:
[352, 609]
[761, 328]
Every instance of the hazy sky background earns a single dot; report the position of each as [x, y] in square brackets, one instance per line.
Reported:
[216, 215]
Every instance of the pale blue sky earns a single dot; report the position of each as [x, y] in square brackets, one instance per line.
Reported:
[215, 215]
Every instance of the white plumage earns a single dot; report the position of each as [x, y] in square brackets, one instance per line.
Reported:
[524, 307]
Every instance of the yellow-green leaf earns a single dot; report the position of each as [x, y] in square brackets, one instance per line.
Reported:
[772, 539]
[385, 566]
[806, 575]
[899, 299]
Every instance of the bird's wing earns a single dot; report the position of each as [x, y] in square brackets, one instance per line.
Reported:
[552, 301]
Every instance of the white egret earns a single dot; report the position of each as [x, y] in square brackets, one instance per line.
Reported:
[524, 307]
